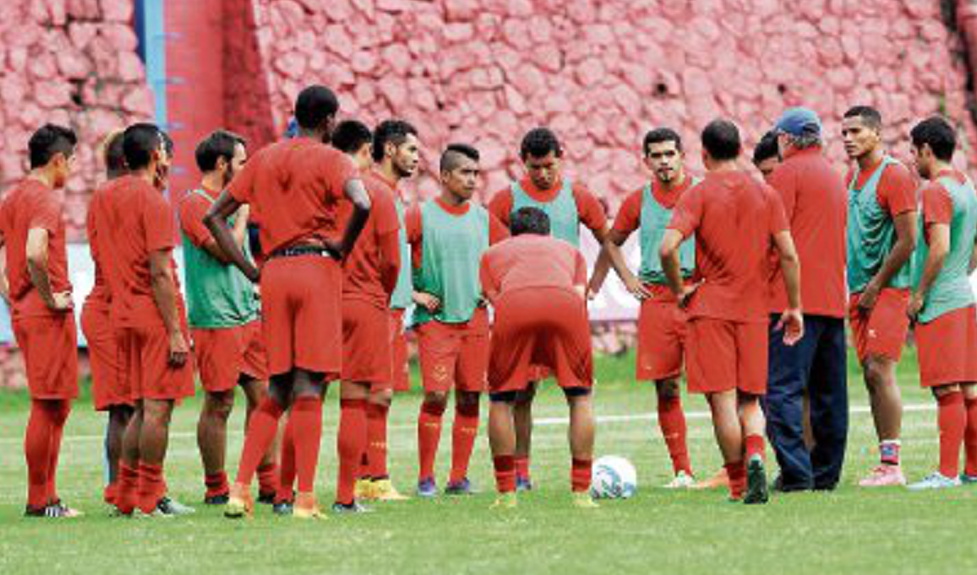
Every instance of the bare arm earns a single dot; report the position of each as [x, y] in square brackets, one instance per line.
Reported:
[792, 320]
[938, 241]
[902, 250]
[37, 267]
[4, 286]
[216, 222]
[668, 252]
[164, 295]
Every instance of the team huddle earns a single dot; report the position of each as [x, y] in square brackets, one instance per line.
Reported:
[303, 265]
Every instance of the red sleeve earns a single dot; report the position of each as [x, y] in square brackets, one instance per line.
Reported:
[92, 234]
[339, 170]
[589, 209]
[490, 286]
[242, 186]
[158, 223]
[497, 230]
[897, 190]
[629, 216]
[580, 269]
[384, 213]
[192, 210]
[688, 212]
[778, 217]
[784, 181]
[389, 246]
[937, 204]
[412, 223]
[47, 214]
[501, 205]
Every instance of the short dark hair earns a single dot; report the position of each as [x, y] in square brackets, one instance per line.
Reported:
[938, 134]
[393, 131]
[529, 220]
[167, 142]
[48, 141]
[869, 116]
[219, 144]
[351, 135]
[766, 148]
[139, 141]
[721, 138]
[115, 159]
[539, 142]
[659, 135]
[452, 154]
[314, 105]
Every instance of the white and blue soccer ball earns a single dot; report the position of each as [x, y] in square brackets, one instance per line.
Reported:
[613, 477]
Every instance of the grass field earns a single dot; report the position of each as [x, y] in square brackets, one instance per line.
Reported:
[847, 531]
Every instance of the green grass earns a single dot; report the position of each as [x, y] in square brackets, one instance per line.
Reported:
[848, 531]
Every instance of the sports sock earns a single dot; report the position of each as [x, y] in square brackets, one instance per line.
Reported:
[428, 437]
[216, 484]
[267, 478]
[127, 496]
[59, 416]
[37, 451]
[522, 466]
[286, 478]
[350, 445]
[505, 473]
[889, 451]
[970, 437]
[754, 445]
[671, 420]
[376, 434]
[150, 486]
[580, 473]
[261, 432]
[307, 413]
[952, 421]
[737, 478]
[463, 434]
[110, 493]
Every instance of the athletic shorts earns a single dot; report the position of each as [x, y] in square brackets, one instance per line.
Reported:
[725, 355]
[367, 354]
[662, 329]
[150, 375]
[49, 345]
[301, 306]
[400, 366]
[454, 355]
[540, 327]
[947, 348]
[110, 387]
[882, 332]
[225, 355]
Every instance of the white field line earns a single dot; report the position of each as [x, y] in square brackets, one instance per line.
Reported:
[542, 422]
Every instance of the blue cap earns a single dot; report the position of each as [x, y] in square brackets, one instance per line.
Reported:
[293, 128]
[799, 122]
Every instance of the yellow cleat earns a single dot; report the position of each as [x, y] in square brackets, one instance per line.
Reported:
[306, 508]
[583, 500]
[239, 503]
[384, 490]
[505, 501]
[364, 489]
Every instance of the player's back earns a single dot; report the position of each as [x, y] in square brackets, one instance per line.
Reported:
[531, 261]
[362, 269]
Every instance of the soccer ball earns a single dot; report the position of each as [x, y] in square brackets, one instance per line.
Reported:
[613, 478]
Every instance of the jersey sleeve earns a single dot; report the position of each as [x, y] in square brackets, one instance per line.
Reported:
[629, 216]
[937, 204]
[897, 190]
[242, 186]
[340, 169]
[778, 216]
[192, 210]
[579, 269]
[500, 205]
[490, 284]
[688, 212]
[384, 212]
[47, 214]
[589, 209]
[497, 230]
[158, 223]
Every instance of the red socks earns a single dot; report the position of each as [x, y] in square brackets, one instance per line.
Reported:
[42, 445]
[754, 445]
[580, 473]
[268, 478]
[737, 478]
[216, 484]
[463, 434]
[505, 473]
[376, 436]
[522, 466]
[261, 432]
[970, 437]
[125, 499]
[307, 415]
[350, 445]
[671, 420]
[428, 437]
[286, 478]
[150, 486]
[952, 421]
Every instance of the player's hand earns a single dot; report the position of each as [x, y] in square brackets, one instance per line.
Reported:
[61, 301]
[686, 294]
[636, 288]
[179, 350]
[792, 324]
[427, 301]
[869, 297]
[916, 303]
[254, 274]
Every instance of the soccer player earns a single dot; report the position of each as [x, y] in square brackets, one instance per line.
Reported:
[537, 285]
[135, 230]
[735, 219]
[110, 389]
[766, 155]
[295, 186]
[661, 324]
[881, 240]
[942, 303]
[815, 201]
[568, 204]
[223, 316]
[36, 289]
[448, 235]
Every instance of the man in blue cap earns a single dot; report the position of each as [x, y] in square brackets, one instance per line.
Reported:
[815, 200]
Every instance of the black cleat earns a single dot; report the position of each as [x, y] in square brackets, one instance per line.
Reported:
[756, 482]
[266, 498]
[219, 499]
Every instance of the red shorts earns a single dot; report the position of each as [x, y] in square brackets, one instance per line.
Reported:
[50, 348]
[454, 355]
[109, 384]
[400, 366]
[726, 355]
[367, 357]
[540, 327]
[224, 355]
[948, 348]
[301, 306]
[662, 329]
[150, 375]
[883, 331]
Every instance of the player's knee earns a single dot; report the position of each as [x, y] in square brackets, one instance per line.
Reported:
[382, 397]
[876, 373]
[667, 389]
[525, 397]
[436, 398]
[219, 405]
[503, 397]
[466, 399]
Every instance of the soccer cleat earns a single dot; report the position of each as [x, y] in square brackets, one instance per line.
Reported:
[282, 508]
[935, 480]
[155, 514]
[884, 476]
[363, 488]
[756, 482]
[219, 499]
[305, 507]
[682, 480]
[353, 508]
[718, 481]
[384, 490]
[524, 483]
[505, 501]
[427, 488]
[968, 479]
[463, 487]
[59, 509]
[239, 503]
[583, 500]
[266, 497]
[169, 506]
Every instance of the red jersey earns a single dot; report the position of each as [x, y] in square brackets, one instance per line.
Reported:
[530, 261]
[628, 218]
[371, 267]
[734, 219]
[589, 209]
[29, 205]
[415, 235]
[294, 188]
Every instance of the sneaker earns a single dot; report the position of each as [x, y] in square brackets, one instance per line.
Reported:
[505, 501]
[353, 508]
[935, 480]
[363, 488]
[384, 490]
[266, 497]
[155, 514]
[305, 507]
[282, 508]
[682, 480]
[463, 487]
[884, 476]
[219, 499]
[756, 482]
[718, 481]
[968, 479]
[524, 484]
[59, 509]
[583, 500]
[169, 506]
[427, 488]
